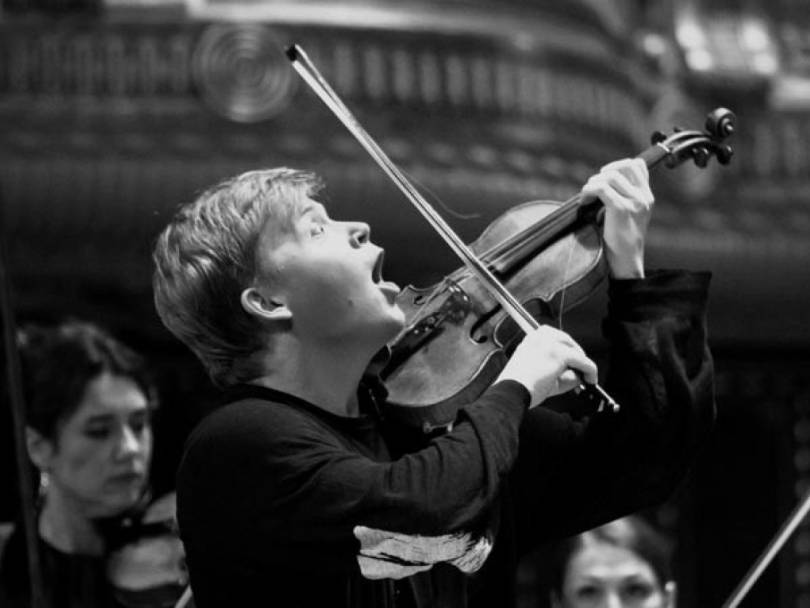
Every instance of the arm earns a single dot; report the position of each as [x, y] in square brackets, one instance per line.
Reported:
[573, 475]
[317, 479]
[293, 485]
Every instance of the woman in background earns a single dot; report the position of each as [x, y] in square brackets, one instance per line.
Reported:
[623, 564]
[89, 434]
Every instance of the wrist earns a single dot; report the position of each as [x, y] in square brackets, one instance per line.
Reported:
[625, 267]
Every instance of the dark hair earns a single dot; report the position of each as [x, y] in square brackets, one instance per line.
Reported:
[59, 362]
[632, 533]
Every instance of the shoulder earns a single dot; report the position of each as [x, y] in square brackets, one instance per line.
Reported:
[250, 428]
[249, 419]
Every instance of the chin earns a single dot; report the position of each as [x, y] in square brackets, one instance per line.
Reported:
[122, 500]
[398, 316]
[110, 507]
[383, 331]
[396, 323]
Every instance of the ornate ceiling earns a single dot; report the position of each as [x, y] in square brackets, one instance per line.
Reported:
[111, 119]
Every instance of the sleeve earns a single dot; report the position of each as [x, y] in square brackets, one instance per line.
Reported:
[308, 489]
[572, 475]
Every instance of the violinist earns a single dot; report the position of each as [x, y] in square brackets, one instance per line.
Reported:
[89, 404]
[301, 490]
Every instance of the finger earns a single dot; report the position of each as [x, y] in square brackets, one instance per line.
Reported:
[567, 381]
[635, 168]
[624, 198]
[638, 175]
[612, 198]
[602, 183]
[584, 365]
[637, 172]
[552, 333]
[617, 181]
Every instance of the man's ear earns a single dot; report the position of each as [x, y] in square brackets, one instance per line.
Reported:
[268, 309]
[40, 449]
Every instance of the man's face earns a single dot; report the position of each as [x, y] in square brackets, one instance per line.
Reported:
[328, 274]
[101, 458]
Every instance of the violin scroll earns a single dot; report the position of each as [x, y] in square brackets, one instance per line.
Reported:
[698, 146]
[720, 122]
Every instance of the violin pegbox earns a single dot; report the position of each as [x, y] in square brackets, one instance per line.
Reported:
[699, 146]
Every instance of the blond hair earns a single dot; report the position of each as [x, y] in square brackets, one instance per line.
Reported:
[205, 258]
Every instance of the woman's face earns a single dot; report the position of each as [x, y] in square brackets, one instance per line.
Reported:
[600, 575]
[101, 457]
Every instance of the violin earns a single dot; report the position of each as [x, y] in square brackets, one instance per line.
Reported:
[549, 255]
[522, 269]
[458, 333]
[146, 564]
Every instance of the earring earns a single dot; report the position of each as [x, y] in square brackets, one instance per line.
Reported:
[44, 482]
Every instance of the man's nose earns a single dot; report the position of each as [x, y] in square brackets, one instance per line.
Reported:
[360, 232]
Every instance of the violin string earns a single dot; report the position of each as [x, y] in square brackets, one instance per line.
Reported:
[435, 198]
[566, 269]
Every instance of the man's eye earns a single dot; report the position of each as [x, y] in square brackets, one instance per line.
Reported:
[318, 229]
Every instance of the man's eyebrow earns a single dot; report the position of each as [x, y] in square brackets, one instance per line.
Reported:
[312, 208]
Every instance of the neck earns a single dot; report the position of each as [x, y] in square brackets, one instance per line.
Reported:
[326, 375]
[63, 525]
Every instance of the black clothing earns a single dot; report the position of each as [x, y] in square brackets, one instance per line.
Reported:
[71, 581]
[275, 495]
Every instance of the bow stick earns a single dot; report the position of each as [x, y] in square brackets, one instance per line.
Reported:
[779, 539]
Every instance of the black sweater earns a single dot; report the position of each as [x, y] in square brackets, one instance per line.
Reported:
[276, 496]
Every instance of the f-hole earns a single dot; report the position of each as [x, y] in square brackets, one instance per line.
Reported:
[479, 333]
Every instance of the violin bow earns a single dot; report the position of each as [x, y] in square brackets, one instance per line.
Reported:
[17, 405]
[774, 546]
[310, 74]
[185, 598]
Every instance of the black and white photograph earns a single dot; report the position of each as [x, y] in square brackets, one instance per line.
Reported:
[405, 304]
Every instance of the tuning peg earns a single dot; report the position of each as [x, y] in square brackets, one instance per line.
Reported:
[724, 154]
[720, 122]
[700, 156]
[657, 137]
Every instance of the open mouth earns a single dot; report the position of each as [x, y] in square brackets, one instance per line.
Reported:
[376, 271]
[391, 288]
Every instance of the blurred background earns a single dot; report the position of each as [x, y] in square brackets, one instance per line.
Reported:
[113, 112]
